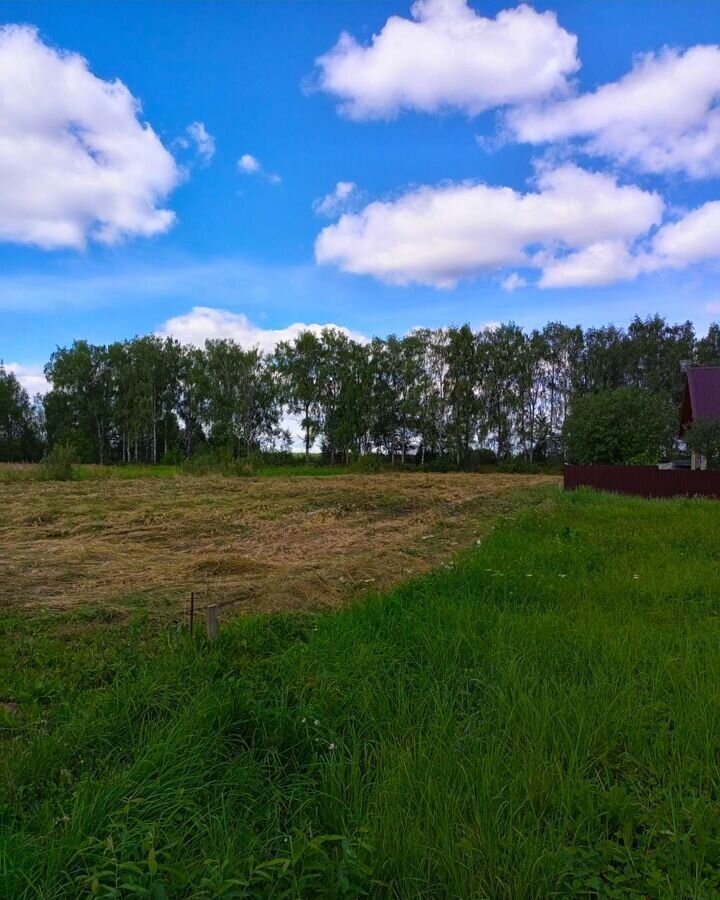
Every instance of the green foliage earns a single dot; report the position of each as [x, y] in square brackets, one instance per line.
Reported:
[21, 438]
[534, 720]
[217, 461]
[370, 463]
[58, 464]
[626, 426]
[172, 457]
[433, 393]
[516, 466]
[703, 436]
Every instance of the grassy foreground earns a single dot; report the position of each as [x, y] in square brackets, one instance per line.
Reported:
[540, 718]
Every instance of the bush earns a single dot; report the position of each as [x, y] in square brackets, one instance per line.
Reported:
[440, 464]
[703, 436]
[217, 461]
[280, 458]
[174, 457]
[516, 465]
[627, 426]
[371, 462]
[58, 464]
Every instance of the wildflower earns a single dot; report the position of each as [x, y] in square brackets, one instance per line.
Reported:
[331, 746]
[316, 722]
[304, 721]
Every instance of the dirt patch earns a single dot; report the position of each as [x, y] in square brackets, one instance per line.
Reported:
[267, 543]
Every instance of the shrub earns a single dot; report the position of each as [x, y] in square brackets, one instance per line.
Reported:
[703, 436]
[371, 462]
[58, 464]
[516, 465]
[217, 461]
[174, 457]
[441, 464]
[627, 426]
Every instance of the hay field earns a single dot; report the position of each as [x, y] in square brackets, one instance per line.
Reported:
[261, 544]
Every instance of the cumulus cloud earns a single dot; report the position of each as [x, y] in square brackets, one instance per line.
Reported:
[692, 239]
[440, 235]
[32, 378]
[337, 200]
[251, 165]
[449, 57]
[198, 136]
[676, 245]
[603, 262]
[204, 323]
[77, 163]
[663, 116]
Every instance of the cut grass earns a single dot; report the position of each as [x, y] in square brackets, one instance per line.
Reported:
[540, 718]
[266, 544]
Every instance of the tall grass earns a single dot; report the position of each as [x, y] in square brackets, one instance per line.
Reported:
[540, 718]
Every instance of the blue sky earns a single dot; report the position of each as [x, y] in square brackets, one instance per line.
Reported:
[428, 237]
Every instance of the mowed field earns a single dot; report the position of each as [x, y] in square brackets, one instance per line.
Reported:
[258, 544]
[536, 717]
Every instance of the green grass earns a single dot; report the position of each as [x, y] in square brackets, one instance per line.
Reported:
[12, 473]
[541, 718]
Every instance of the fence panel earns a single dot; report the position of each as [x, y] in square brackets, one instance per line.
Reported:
[644, 481]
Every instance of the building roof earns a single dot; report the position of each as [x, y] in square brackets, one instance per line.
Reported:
[702, 395]
[704, 387]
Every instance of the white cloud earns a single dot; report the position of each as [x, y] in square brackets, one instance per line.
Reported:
[249, 164]
[32, 378]
[204, 142]
[449, 57]
[76, 161]
[694, 238]
[337, 201]
[663, 116]
[204, 323]
[512, 282]
[603, 262]
[440, 235]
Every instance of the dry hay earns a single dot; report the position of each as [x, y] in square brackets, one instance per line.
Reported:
[260, 543]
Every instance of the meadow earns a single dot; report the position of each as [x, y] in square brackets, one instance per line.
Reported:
[537, 716]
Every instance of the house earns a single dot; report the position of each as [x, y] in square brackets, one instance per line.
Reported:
[701, 399]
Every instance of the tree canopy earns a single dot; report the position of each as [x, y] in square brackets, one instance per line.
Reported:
[433, 394]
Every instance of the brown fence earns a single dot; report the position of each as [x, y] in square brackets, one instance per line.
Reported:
[644, 481]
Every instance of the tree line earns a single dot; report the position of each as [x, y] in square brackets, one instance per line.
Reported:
[453, 394]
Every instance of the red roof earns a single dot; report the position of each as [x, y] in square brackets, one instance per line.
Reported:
[704, 385]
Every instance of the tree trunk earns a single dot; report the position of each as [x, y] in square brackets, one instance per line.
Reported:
[307, 432]
[154, 417]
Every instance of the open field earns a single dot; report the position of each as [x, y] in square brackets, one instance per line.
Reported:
[267, 543]
[541, 718]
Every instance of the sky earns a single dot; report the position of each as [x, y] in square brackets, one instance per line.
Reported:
[243, 169]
